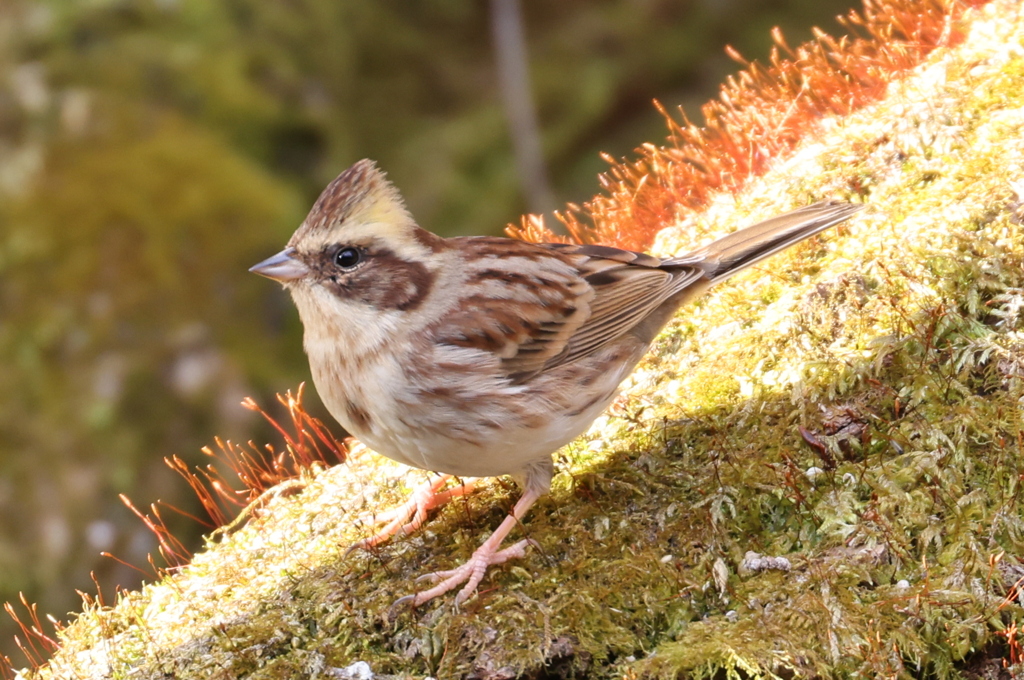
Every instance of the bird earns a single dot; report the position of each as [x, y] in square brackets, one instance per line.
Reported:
[481, 356]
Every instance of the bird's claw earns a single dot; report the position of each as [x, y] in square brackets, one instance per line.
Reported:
[471, 573]
[410, 516]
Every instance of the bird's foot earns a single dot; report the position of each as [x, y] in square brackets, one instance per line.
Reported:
[411, 515]
[471, 573]
[488, 554]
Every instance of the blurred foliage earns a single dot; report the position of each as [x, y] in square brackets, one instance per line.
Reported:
[151, 150]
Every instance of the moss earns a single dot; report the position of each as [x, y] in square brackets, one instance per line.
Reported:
[854, 406]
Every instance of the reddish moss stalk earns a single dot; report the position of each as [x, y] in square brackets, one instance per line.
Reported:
[761, 114]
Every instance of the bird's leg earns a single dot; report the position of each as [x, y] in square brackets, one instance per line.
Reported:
[411, 515]
[472, 572]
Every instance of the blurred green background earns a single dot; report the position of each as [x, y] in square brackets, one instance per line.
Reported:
[152, 150]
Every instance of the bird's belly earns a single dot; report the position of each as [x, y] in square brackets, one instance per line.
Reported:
[473, 424]
[499, 451]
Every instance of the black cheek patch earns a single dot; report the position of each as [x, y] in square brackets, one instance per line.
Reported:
[384, 281]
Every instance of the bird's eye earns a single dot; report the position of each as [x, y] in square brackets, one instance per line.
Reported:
[346, 258]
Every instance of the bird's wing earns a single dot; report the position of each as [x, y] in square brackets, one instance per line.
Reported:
[538, 306]
[627, 287]
[517, 300]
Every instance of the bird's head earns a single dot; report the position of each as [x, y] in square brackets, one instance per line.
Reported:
[358, 253]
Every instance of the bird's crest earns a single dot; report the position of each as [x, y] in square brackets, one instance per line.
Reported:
[360, 195]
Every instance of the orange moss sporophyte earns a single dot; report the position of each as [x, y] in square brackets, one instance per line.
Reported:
[231, 491]
[761, 114]
[230, 498]
[34, 642]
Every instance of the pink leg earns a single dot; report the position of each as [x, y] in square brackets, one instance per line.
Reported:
[472, 572]
[411, 515]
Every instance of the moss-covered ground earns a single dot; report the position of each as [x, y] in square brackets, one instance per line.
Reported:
[853, 406]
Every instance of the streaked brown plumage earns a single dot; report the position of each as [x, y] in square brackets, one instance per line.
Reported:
[481, 356]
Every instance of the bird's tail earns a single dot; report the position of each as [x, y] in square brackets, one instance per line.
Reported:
[746, 247]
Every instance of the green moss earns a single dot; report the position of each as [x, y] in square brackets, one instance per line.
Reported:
[859, 414]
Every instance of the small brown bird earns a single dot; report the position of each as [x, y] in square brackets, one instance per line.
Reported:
[482, 356]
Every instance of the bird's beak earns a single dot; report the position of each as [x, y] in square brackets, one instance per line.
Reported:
[281, 267]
